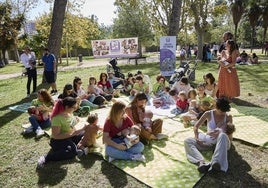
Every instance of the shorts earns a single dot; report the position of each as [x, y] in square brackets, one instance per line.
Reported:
[50, 76]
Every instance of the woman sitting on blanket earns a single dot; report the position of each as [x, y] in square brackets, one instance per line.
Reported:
[67, 131]
[136, 111]
[114, 130]
[39, 113]
[217, 138]
[68, 91]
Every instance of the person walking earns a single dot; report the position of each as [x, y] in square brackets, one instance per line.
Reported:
[49, 61]
[29, 61]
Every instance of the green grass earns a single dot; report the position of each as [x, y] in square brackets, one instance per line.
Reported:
[19, 155]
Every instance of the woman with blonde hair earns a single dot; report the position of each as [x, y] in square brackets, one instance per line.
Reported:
[115, 129]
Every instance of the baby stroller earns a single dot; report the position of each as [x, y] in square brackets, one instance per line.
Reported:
[113, 65]
[185, 69]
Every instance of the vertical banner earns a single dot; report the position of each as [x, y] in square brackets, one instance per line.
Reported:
[167, 55]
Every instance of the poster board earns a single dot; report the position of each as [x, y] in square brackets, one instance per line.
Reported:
[122, 47]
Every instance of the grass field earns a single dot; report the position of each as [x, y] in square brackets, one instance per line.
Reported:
[19, 154]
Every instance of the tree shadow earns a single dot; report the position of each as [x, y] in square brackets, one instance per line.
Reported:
[115, 175]
[236, 176]
[11, 114]
[241, 102]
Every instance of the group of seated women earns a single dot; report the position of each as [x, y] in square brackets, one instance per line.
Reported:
[129, 126]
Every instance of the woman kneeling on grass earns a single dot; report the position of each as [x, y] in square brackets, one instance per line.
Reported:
[113, 136]
[67, 131]
[218, 138]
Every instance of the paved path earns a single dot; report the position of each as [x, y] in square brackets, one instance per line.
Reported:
[86, 64]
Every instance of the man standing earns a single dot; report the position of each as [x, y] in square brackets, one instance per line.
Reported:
[29, 62]
[49, 61]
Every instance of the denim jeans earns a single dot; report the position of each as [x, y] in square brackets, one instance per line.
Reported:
[124, 154]
[35, 124]
[32, 75]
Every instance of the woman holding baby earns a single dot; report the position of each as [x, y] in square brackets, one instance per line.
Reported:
[116, 128]
[217, 138]
[136, 111]
[39, 113]
[228, 82]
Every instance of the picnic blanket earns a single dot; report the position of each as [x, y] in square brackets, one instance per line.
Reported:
[21, 107]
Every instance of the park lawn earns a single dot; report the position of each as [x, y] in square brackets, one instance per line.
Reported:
[19, 155]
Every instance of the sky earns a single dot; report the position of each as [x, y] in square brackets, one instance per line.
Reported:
[103, 9]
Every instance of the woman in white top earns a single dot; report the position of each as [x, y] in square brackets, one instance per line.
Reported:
[81, 93]
[182, 85]
[211, 87]
[219, 129]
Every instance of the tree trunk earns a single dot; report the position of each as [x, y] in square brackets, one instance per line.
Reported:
[56, 31]
[264, 39]
[200, 44]
[235, 34]
[174, 25]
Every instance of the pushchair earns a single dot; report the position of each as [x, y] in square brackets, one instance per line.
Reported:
[112, 67]
[185, 69]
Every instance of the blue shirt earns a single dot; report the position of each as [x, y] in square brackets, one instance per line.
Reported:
[49, 62]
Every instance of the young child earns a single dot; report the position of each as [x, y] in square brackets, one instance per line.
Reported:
[181, 103]
[147, 120]
[91, 133]
[132, 135]
[165, 100]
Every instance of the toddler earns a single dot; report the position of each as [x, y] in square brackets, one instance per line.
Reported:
[181, 103]
[91, 133]
[165, 99]
[132, 135]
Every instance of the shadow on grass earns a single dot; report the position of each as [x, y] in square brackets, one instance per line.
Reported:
[11, 114]
[250, 109]
[236, 176]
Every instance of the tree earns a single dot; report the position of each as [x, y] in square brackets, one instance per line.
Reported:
[264, 22]
[174, 25]
[56, 31]
[237, 10]
[10, 27]
[253, 15]
[199, 10]
[133, 21]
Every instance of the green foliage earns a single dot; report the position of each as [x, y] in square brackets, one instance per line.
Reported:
[133, 21]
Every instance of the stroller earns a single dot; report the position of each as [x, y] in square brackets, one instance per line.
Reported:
[185, 69]
[113, 65]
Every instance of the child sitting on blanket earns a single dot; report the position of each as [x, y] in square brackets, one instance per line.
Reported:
[91, 133]
[165, 99]
[181, 104]
[147, 120]
[131, 135]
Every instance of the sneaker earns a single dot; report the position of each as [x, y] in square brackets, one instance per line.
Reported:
[39, 132]
[34, 93]
[216, 167]
[41, 162]
[139, 157]
[27, 130]
[111, 159]
[80, 152]
[203, 167]
[161, 136]
[86, 150]
[28, 96]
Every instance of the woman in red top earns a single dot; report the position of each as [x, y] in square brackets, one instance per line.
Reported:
[106, 87]
[115, 128]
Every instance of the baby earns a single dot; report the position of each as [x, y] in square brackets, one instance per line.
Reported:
[40, 115]
[147, 120]
[91, 133]
[132, 136]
